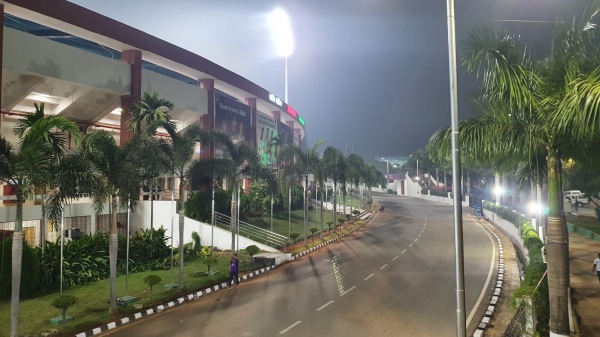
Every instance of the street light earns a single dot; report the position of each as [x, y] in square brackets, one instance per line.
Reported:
[281, 31]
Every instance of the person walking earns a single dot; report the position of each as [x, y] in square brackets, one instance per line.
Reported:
[233, 271]
[596, 266]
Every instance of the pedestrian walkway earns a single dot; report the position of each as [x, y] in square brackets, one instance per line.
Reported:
[585, 285]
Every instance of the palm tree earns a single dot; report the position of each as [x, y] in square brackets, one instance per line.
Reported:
[356, 171]
[150, 113]
[180, 150]
[303, 164]
[118, 181]
[242, 161]
[527, 104]
[42, 142]
[335, 167]
[147, 115]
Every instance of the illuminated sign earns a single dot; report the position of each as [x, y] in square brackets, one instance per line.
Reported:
[292, 112]
[275, 99]
[301, 120]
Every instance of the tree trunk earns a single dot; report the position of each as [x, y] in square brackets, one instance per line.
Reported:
[322, 227]
[112, 256]
[232, 223]
[181, 229]
[43, 226]
[17, 259]
[334, 205]
[305, 209]
[557, 251]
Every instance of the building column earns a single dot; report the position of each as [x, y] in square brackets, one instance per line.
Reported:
[134, 59]
[251, 137]
[208, 120]
[1, 52]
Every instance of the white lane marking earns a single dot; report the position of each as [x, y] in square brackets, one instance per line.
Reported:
[324, 306]
[417, 239]
[403, 251]
[368, 277]
[289, 328]
[419, 235]
[411, 244]
[395, 257]
[489, 277]
[383, 267]
[349, 290]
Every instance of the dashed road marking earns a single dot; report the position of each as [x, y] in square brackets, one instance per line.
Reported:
[395, 257]
[289, 328]
[383, 267]
[324, 306]
[411, 244]
[349, 290]
[404, 251]
[368, 277]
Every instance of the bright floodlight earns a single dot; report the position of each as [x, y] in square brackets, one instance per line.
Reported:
[281, 29]
[535, 208]
[498, 190]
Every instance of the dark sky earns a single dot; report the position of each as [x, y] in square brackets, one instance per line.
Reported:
[369, 76]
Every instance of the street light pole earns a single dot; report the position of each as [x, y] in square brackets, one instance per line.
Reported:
[461, 329]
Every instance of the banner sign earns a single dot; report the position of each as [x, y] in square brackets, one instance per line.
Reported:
[233, 118]
[266, 130]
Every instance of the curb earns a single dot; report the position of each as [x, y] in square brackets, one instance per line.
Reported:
[196, 295]
[485, 321]
[159, 308]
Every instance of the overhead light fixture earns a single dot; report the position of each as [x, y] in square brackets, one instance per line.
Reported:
[117, 111]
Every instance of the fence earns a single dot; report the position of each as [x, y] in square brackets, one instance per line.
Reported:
[252, 232]
[523, 322]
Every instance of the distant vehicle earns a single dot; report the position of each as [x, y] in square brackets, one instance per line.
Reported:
[575, 197]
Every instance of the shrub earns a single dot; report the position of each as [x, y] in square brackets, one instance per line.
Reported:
[329, 224]
[63, 302]
[208, 257]
[30, 269]
[340, 221]
[151, 281]
[313, 230]
[252, 250]
[356, 212]
[294, 236]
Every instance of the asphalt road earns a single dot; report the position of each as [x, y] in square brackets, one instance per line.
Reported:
[394, 277]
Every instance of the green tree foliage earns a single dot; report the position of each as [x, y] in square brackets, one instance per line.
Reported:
[199, 204]
[30, 266]
[294, 236]
[208, 257]
[63, 302]
[252, 250]
[151, 281]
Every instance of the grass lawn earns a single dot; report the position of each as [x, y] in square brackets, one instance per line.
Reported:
[587, 222]
[91, 308]
[283, 227]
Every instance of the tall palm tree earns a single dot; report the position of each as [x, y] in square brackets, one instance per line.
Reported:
[304, 164]
[118, 181]
[335, 166]
[241, 161]
[180, 150]
[528, 102]
[43, 141]
[147, 115]
[356, 171]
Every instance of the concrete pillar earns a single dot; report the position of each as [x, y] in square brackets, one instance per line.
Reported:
[251, 135]
[208, 120]
[134, 59]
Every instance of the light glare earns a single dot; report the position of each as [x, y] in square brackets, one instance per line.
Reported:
[281, 30]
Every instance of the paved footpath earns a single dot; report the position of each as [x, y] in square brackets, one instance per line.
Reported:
[585, 285]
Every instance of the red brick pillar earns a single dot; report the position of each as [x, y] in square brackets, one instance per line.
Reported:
[208, 120]
[134, 59]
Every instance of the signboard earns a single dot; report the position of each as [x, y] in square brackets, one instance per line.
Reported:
[266, 130]
[285, 134]
[233, 118]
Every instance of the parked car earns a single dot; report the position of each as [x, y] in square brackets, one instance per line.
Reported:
[575, 197]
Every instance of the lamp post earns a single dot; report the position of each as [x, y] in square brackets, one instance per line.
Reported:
[284, 39]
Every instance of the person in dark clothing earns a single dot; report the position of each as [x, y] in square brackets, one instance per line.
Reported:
[233, 271]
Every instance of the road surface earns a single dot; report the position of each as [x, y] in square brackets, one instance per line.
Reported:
[394, 277]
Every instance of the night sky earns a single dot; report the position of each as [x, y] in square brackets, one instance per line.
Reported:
[368, 76]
